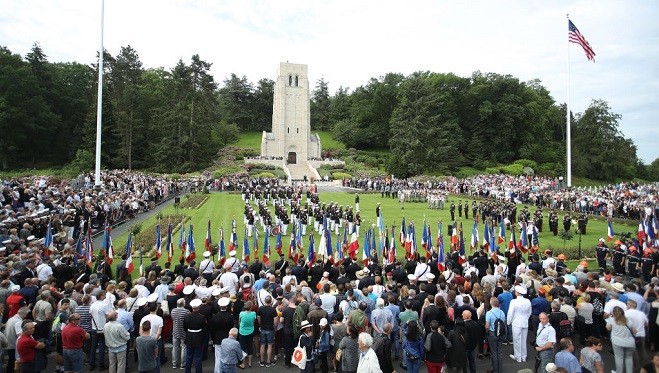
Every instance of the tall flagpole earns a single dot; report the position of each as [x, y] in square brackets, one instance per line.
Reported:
[99, 106]
[568, 130]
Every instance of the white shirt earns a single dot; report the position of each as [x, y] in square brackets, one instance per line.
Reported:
[519, 312]
[231, 280]
[636, 320]
[612, 303]
[98, 311]
[156, 323]
[546, 334]
[44, 271]
[421, 271]
[546, 262]
[207, 266]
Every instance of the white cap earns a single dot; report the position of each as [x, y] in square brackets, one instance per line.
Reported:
[601, 240]
[223, 302]
[15, 288]
[5, 242]
[216, 292]
[31, 238]
[550, 368]
[207, 254]
[520, 289]
[195, 303]
[188, 289]
[152, 298]
[325, 274]
[430, 277]
[411, 277]
[323, 322]
[224, 290]
[366, 270]
[232, 253]
[140, 301]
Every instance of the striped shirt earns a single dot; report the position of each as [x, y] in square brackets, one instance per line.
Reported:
[178, 314]
[85, 317]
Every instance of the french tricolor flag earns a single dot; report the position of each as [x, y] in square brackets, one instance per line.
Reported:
[609, 230]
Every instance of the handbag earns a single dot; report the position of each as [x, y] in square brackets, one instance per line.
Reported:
[339, 352]
[299, 357]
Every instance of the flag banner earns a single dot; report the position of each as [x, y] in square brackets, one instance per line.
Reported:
[255, 246]
[609, 230]
[403, 234]
[441, 265]
[486, 236]
[190, 253]
[245, 253]
[354, 246]
[311, 253]
[502, 232]
[574, 36]
[292, 248]
[462, 259]
[182, 242]
[170, 243]
[278, 241]
[266, 249]
[392, 248]
[222, 253]
[523, 238]
[535, 242]
[158, 242]
[208, 243]
[89, 247]
[129, 254]
[338, 252]
[474, 236]
[141, 264]
[366, 253]
[48, 241]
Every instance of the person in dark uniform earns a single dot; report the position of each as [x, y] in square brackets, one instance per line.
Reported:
[194, 324]
[452, 210]
[154, 266]
[460, 209]
[647, 265]
[553, 223]
[537, 219]
[581, 223]
[180, 267]
[602, 253]
[466, 209]
[191, 271]
[567, 222]
[633, 261]
[619, 259]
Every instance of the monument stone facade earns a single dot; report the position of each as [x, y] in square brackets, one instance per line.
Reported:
[291, 139]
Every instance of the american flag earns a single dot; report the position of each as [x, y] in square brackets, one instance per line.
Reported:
[576, 37]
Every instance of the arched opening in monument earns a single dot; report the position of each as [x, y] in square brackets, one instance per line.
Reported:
[292, 157]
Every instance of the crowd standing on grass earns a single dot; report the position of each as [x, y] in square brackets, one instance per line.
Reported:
[347, 315]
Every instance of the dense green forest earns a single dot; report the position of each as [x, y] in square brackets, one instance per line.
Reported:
[178, 119]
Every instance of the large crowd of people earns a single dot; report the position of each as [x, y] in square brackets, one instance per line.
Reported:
[344, 315]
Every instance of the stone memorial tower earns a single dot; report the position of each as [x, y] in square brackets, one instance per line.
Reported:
[291, 139]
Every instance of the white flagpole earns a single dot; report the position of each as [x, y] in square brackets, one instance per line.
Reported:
[99, 106]
[568, 130]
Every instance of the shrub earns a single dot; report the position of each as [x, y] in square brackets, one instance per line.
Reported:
[341, 175]
[513, 169]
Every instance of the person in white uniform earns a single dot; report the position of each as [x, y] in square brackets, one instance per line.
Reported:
[518, 317]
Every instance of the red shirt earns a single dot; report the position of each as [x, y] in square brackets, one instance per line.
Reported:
[26, 346]
[14, 303]
[73, 337]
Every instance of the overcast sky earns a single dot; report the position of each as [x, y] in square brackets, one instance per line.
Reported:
[348, 42]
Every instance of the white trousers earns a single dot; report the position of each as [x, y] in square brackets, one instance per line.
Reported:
[218, 362]
[520, 335]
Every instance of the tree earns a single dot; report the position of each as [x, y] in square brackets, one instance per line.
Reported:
[653, 170]
[236, 100]
[262, 107]
[320, 107]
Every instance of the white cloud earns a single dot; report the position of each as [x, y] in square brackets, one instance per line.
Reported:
[348, 42]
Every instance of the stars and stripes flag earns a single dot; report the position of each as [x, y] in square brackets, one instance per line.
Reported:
[311, 252]
[502, 232]
[523, 238]
[474, 236]
[278, 240]
[190, 253]
[48, 241]
[441, 262]
[222, 253]
[208, 243]
[486, 235]
[129, 254]
[266, 248]
[245, 253]
[170, 243]
[158, 242]
[182, 241]
[574, 36]
[609, 230]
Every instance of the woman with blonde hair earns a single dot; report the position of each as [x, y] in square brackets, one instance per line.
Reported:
[622, 339]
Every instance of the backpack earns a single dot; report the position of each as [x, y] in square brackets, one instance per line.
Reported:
[500, 328]
[598, 307]
[419, 326]
[57, 323]
[564, 329]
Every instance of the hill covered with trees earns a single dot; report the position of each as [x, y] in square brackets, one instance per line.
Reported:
[177, 119]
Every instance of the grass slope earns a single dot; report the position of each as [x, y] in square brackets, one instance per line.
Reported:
[221, 208]
[253, 140]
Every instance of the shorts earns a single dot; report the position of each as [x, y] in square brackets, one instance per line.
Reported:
[267, 337]
[73, 360]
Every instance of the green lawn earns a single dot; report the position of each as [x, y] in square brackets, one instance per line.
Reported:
[253, 140]
[220, 208]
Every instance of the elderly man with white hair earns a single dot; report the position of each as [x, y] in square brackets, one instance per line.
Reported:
[518, 317]
[368, 360]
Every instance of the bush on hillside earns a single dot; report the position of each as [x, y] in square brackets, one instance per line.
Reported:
[341, 176]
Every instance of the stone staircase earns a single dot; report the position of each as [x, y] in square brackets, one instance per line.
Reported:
[299, 170]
